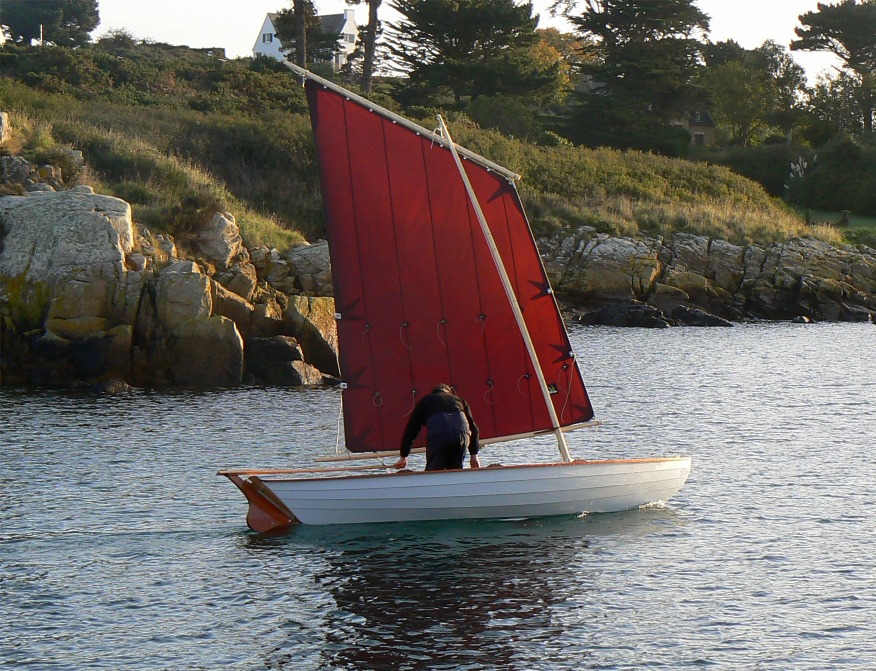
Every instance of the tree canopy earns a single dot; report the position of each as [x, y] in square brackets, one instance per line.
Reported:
[67, 23]
[643, 71]
[848, 30]
[467, 48]
[751, 89]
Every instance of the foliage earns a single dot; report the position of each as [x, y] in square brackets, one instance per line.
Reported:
[840, 177]
[251, 152]
[631, 193]
[66, 23]
[754, 90]
[848, 30]
[739, 98]
[154, 75]
[766, 164]
[645, 57]
[467, 48]
[837, 106]
[509, 117]
[152, 157]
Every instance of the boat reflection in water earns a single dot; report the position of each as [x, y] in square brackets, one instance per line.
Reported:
[438, 595]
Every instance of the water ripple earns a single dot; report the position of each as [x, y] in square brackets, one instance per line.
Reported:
[121, 549]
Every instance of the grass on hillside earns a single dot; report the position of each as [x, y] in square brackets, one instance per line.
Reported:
[176, 160]
[860, 229]
[168, 193]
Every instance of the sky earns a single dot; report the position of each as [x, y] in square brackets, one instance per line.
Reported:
[234, 24]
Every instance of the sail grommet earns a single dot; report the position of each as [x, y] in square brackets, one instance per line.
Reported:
[377, 399]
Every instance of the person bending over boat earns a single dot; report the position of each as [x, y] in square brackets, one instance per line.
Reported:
[450, 429]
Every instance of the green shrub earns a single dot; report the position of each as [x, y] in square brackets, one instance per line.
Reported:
[767, 164]
[510, 117]
[842, 177]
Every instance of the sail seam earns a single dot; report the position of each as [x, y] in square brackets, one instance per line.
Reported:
[359, 247]
[403, 304]
[439, 285]
[474, 238]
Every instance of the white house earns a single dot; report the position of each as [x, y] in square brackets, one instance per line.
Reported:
[343, 25]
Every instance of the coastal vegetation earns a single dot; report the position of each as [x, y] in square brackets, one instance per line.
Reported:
[181, 133]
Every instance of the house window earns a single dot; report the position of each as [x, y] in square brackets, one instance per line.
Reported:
[267, 38]
[699, 139]
[350, 39]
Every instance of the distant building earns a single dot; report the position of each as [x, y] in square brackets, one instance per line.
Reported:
[342, 25]
[699, 124]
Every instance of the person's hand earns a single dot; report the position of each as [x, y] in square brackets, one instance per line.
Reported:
[475, 462]
[401, 463]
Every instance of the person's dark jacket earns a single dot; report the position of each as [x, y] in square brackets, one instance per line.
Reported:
[434, 403]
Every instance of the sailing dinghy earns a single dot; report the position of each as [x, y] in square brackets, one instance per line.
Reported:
[437, 279]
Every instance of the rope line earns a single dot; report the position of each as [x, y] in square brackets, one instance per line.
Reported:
[525, 376]
[401, 330]
[413, 403]
[489, 392]
[443, 342]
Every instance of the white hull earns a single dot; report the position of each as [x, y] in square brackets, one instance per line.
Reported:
[485, 493]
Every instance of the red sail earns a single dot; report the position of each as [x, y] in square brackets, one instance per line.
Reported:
[419, 299]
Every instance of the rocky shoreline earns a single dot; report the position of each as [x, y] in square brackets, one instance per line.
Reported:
[694, 280]
[89, 298]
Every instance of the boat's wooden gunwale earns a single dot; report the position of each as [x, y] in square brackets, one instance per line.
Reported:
[577, 462]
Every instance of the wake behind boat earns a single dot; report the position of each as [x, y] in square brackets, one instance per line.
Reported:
[437, 278]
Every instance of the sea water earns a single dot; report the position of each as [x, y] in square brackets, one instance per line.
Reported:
[120, 548]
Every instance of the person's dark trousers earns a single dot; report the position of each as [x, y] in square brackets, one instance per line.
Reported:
[445, 455]
[447, 435]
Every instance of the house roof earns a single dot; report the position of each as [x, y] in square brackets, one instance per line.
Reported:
[700, 118]
[333, 23]
[330, 23]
